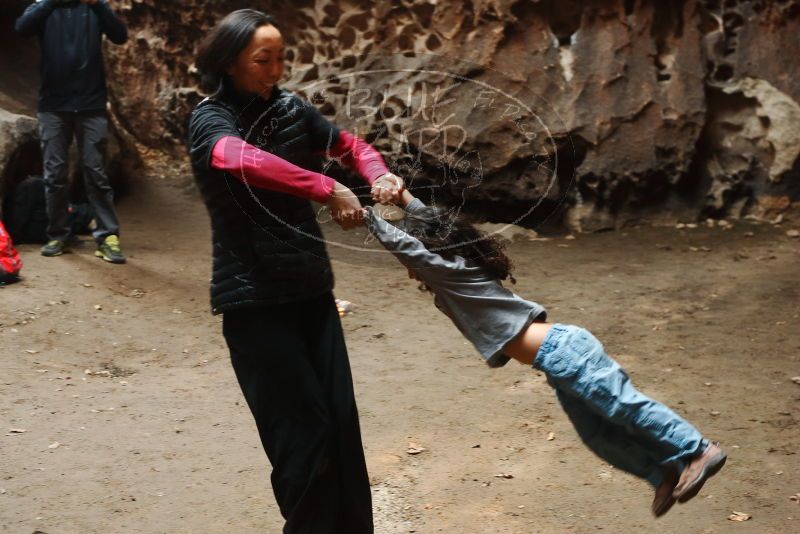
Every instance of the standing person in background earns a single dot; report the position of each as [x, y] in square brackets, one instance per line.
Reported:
[256, 152]
[72, 102]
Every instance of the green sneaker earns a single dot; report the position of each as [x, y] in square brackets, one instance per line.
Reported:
[54, 247]
[109, 250]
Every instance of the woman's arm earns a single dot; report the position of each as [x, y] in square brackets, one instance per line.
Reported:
[212, 128]
[264, 170]
[261, 169]
[355, 154]
[359, 156]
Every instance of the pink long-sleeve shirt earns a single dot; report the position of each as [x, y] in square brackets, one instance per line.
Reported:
[259, 168]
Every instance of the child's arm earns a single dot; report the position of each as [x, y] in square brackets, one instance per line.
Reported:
[407, 249]
[406, 198]
[410, 203]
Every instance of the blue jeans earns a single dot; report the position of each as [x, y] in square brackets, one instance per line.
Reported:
[630, 431]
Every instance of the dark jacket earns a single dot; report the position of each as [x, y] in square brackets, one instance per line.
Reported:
[267, 246]
[70, 34]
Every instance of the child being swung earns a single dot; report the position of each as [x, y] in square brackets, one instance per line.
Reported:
[464, 268]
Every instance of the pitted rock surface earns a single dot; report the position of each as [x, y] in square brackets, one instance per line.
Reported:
[654, 110]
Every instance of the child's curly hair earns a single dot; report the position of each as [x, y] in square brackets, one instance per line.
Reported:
[449, 235]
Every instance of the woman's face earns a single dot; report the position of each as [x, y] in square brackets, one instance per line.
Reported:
[259, 67]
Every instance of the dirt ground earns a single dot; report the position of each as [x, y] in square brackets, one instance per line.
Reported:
[120, 411]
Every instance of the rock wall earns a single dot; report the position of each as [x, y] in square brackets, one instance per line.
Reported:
[19, 139]
[589, 114]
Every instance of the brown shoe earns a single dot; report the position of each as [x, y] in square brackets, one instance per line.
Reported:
[702, 467]
[664, 500]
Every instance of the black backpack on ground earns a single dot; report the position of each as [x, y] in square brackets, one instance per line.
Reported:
[26, 213]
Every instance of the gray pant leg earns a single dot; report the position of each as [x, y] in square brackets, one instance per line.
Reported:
[55, 133]
[92, 133]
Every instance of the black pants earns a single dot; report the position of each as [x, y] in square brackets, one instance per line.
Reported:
[292, 365]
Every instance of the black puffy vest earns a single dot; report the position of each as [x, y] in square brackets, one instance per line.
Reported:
[267, 246]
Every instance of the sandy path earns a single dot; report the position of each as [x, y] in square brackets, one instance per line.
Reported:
[158, 439]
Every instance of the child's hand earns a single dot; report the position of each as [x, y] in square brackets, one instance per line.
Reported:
[387, 189]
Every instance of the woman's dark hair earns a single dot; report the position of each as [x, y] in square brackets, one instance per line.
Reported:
[225, 42]
[450, 235]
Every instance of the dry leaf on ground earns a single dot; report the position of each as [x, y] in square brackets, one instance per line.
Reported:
[415, 448]
[739, 516]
